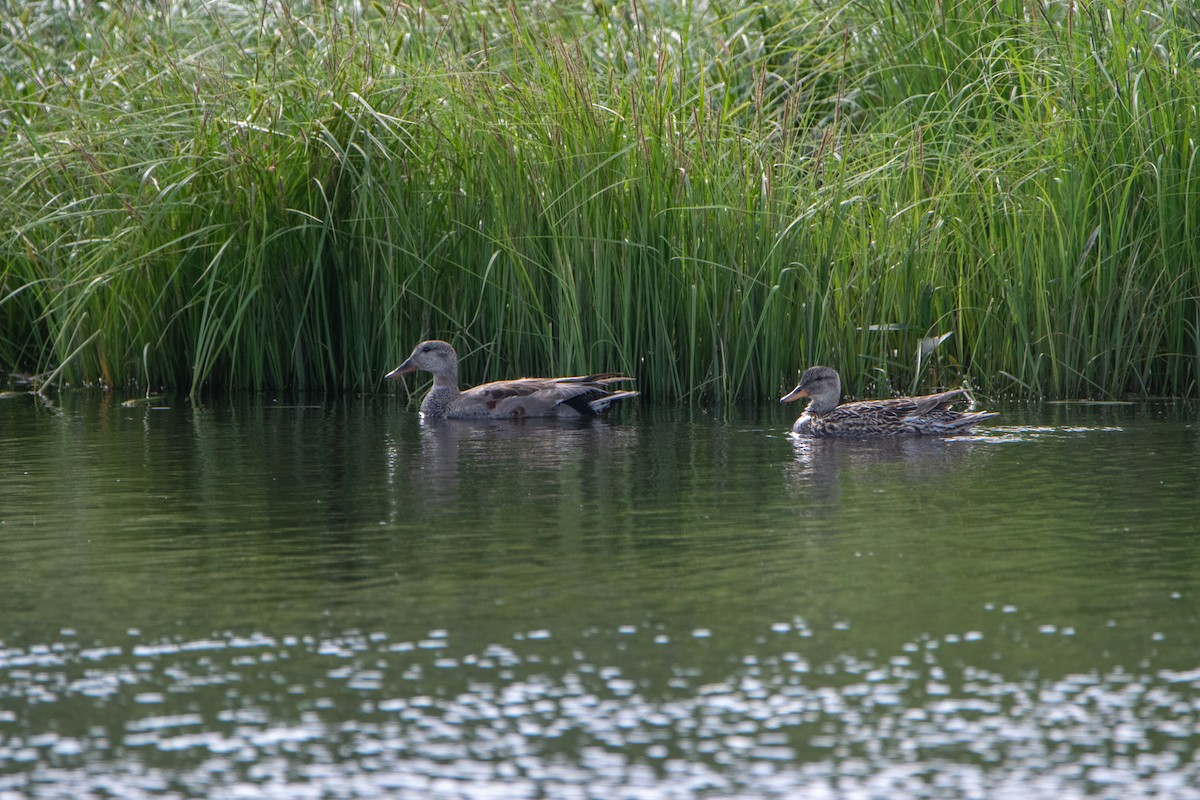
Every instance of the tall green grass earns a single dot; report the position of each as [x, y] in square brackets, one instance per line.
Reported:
[708, 195]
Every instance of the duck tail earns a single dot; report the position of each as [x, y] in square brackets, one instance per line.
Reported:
[600, 404]
[969, 419]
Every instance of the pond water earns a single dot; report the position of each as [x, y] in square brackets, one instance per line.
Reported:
[260, 599]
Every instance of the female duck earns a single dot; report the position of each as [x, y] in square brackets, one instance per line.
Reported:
[586, 395]
[901, 416]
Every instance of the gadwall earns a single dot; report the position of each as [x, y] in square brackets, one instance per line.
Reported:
[928, 415]
[585, 395]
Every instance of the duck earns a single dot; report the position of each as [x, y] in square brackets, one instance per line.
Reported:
[580, 396]
[928, 415]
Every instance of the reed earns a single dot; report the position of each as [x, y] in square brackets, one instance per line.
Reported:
[707, 195]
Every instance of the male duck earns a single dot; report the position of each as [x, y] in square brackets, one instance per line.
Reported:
[585, 395]
[901, 416]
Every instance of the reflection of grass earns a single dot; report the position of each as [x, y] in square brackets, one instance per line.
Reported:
[708, 195]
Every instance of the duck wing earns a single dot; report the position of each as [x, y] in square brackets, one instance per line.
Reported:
[924, 414]
[929, 403]
[541, 397]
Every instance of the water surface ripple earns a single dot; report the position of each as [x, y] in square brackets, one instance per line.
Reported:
[334, 600]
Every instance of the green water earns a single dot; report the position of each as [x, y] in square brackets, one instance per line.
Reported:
[332, 599]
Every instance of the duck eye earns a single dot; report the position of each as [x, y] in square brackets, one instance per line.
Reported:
[426, 348]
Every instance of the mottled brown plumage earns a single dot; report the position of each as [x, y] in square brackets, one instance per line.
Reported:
[584, 395]
[928, 415]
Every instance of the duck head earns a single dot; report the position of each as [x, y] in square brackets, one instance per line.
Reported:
[822, 385]
[432, 355]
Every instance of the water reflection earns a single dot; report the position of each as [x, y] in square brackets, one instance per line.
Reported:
[818, 466]
[501, 455]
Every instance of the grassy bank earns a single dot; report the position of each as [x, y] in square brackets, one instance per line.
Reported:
[709, 196]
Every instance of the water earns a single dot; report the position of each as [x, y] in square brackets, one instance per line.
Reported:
[332, 600]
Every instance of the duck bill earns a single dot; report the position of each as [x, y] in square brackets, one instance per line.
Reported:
[795, 394]
[403, 369]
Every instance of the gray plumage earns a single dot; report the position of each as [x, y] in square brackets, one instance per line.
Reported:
[583, 395]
